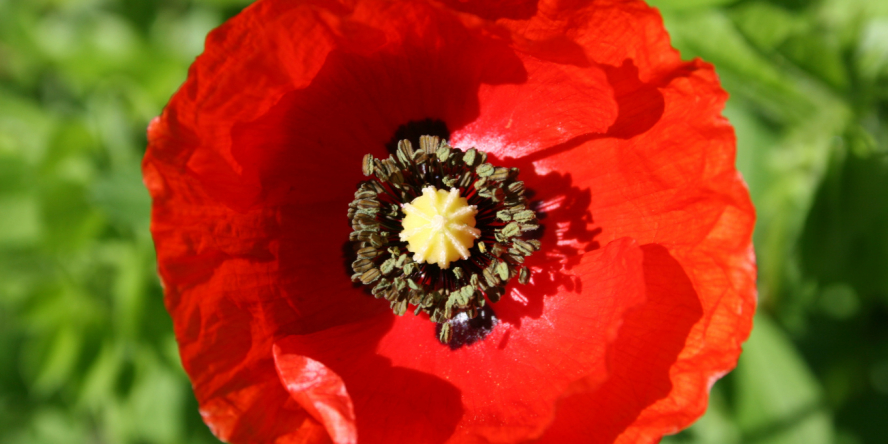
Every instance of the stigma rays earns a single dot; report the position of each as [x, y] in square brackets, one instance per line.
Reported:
[439, 227]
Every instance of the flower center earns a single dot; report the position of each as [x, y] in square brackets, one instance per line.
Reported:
[439, 227]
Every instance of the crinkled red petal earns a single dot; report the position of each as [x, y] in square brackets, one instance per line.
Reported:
[254, 160]
[674, 187]
[662, 174]
[319, 391]
[500, 389]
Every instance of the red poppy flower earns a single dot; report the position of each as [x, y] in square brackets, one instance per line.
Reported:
[641, 293]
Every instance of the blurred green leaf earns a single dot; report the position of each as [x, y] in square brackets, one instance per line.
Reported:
[845, 238]
[51, 426]
[101, 377]
[765, 24]
[747, 73]
[24, 128]
[157, 403]
[778, 399]
[872, 52]
[785, 164]
[70, 220]
[81, 309]
[688, 4]
[715, 427]
[58, 365]
[819, 55]
[123, 199]
[20, 224]
[755, 142]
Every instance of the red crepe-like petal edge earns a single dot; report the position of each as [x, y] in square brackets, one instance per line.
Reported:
[320, 392]
[259, 413]
[238, 190]
[623, 41]
[501, 389]
[510, 380]
[221, 256]
[697, 206]
[214, 251]
[496, 9]
[675, 185]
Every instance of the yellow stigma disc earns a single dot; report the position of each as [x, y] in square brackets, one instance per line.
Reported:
[439, 227]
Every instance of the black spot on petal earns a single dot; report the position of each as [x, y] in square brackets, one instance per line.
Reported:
[469, 331]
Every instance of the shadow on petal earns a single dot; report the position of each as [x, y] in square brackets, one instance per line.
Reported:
[320, 391]
[564, 233]
[640, 360]
[308, 146]
[640, 106]
[260, 412]
[496, 9]
[416, 406]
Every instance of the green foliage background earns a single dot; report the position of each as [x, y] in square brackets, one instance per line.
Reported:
[86, 349]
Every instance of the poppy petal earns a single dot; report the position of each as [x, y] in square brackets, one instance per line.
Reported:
[261, 413]
[501, 389]
[617, 48]
[251, 165]
[320, 392]
[675, 185]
